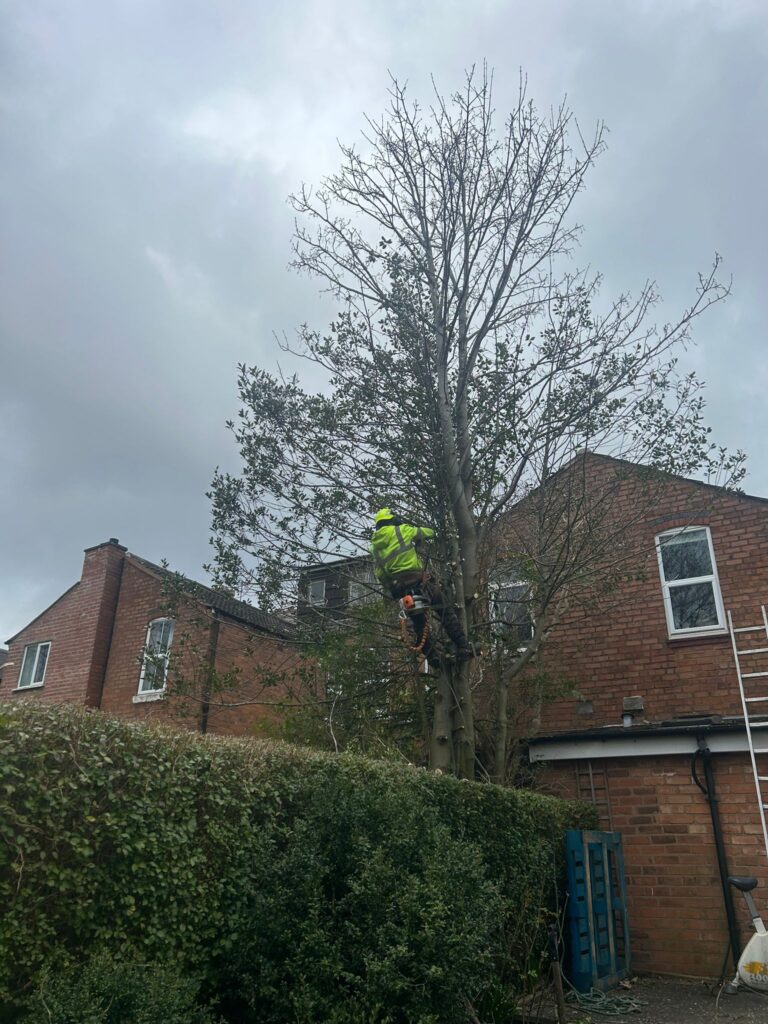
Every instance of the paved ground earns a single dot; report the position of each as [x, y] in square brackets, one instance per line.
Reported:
[672, 1001]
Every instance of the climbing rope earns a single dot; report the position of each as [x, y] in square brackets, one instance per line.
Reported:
[406, 639]
[404, 617]
[603, 1002]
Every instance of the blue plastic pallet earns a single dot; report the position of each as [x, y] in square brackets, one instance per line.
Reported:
[598, 952]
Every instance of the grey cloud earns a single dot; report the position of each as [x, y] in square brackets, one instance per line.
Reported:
[147, 151]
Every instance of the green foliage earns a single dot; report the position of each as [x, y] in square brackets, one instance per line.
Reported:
[470, 368]
[360, 690]
[295, 885]
[105, 991]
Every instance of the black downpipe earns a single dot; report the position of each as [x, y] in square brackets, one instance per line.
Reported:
[210, 669]
[710, 793]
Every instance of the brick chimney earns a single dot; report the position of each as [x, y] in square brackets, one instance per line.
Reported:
[100, 588]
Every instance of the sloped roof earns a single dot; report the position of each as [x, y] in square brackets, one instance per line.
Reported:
[600, 457]
[42, 613]
[229, 606]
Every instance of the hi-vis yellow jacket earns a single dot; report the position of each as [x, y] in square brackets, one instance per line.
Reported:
[393, 546]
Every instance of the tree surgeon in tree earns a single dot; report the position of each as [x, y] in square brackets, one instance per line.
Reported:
[447, 238]
[401, 567]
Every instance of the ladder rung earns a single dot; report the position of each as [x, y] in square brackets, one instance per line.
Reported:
[754, 700]
[762, 778]
[748, 629]
[755, 650]
[758, 725]
[752, 675]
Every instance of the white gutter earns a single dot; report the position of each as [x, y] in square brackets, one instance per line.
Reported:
[653, 745]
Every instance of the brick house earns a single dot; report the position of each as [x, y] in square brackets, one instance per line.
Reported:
[653, 701]
[652, 682]
[655, 705]
[337, 589]
[124, 640]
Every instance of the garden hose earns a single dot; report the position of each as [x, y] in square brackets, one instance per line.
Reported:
[604, 1003]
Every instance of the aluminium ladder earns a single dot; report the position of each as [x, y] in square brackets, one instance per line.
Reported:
[749, 698]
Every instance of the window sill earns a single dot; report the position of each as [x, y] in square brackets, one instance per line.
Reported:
[32, 686]
[150, 695]
[700, 638]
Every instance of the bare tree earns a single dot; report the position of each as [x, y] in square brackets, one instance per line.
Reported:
[470, 363]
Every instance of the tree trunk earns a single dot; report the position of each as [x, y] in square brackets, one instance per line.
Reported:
[462, 711]
[421, 703]
[463, 722]
[501, 730]
[441, 744]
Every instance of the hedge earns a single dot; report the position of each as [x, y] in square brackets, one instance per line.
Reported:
[291, 885]
[105, 990]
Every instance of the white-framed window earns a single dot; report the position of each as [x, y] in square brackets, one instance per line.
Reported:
[510, 608]
[33, 665]
[692, 599]
[363, 589]
[157, 651]
[316, 592]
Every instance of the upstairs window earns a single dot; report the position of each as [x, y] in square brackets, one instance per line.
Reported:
[316, 592]
[692, 600]
[511, 617]
[33, 665]
[363, 589]
[157, 651]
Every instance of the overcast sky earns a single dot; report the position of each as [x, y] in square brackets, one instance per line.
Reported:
[146, 151]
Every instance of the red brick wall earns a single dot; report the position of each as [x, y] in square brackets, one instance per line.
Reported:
[624, 648]
[79, 627]
[261, 663]
[141, 600]
[225, 711]
[676, 915]
[238, 712]
[113, 561]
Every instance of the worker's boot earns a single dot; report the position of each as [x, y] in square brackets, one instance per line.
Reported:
[463, 653]
[467, 651]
